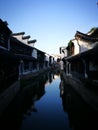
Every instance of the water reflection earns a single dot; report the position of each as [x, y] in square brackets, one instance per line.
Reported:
[81, 115]
[24, 104]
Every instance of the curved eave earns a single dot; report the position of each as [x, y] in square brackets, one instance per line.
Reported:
[85, 37]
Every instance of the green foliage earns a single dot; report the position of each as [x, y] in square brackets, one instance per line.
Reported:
[70, 43]
[93, 29]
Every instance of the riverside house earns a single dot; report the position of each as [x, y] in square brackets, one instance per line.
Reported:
[19, 59]
[9, 68]
[32, 60]
[81, 56]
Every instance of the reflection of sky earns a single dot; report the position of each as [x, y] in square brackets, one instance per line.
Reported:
[47, 83]
[53, 77]
[50, 111]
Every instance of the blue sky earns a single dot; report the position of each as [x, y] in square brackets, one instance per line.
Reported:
[51, 22]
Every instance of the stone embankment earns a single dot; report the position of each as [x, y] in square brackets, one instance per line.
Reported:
[87, 94]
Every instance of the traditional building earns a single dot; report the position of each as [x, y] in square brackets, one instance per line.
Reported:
[24, 54]
[31, 58]
[81, 60]
[9, 71]
[19, 59]
[5, 33]
[9, 62]
[85, 41]
[82, 42]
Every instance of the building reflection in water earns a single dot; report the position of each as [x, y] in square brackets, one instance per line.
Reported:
[81, 115]
[24, 103]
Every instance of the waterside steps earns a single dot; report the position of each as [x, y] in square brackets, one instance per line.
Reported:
[90, 97]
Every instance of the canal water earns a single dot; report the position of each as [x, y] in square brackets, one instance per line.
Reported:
[43, 103]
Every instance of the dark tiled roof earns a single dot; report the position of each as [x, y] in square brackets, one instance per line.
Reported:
[26, 37]
[4, 26]
[31, 41]
[85, 37]
[20, 33]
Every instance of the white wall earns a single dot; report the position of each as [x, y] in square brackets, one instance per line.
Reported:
[25, 41]
[81, 46]
[52, 61]
[76, 47]
[34, 53]
[46, 57]
[19, 37]
[84, 46]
